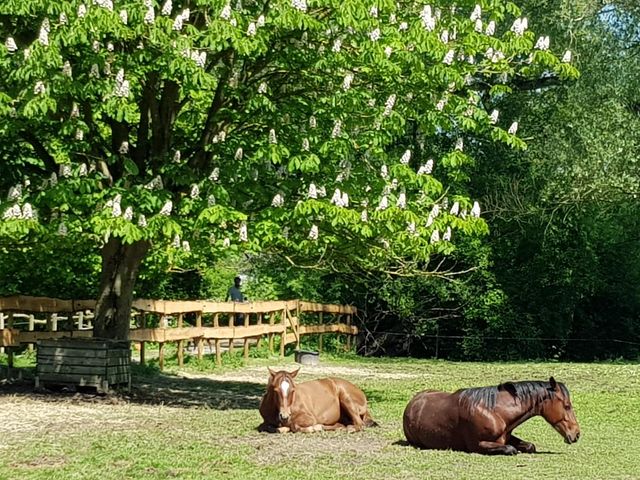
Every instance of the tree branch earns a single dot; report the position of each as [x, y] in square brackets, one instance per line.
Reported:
[119, 134]
[140, 152]
[40, 150]
[200, 158]
[168, 109]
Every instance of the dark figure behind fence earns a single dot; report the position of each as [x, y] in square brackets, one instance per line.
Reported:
[235, 295]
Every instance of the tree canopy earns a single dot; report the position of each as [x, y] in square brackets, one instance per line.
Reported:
[336, 132]
[564, 235]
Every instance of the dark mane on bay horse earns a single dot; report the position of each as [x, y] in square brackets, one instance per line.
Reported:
[536, 391]
[482, 419]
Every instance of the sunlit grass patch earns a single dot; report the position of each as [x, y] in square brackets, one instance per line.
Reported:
[194, 423]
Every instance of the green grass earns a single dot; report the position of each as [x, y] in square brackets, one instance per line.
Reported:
[203, 426]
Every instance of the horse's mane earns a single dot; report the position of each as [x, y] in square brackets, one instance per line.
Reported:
[535, 391]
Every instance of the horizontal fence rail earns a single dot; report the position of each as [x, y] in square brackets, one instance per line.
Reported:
[28, 320]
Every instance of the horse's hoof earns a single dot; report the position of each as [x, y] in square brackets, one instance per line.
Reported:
[530, 448]
[264, 428]
[318, 427]
[510, 450]
[283, 430]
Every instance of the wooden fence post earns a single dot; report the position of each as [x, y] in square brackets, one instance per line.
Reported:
[232, 323]
[32, 323]
[1, 328]
[143, 324]
[180, 342]
[200, 339]
[52, 322]
[296, 327]
[162, 323]
[259, 342]
[10, 349]
[349, 335]
[283, 335]
[272, 321]
[161, 355]
[246, 339]
[216, 323]
[321, 335]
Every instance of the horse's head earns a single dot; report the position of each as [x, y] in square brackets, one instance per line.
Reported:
[558, 411]
[282, 389]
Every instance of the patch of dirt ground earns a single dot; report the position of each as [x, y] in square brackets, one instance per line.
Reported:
[260, 374]
[359, 446]
[28, 412]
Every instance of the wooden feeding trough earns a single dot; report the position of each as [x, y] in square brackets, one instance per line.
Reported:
[81, 362]
[305, 357]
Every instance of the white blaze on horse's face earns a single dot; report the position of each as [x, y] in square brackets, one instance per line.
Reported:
[285, 406]
[284, 386]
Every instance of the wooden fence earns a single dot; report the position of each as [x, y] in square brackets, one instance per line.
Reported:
[26, 320]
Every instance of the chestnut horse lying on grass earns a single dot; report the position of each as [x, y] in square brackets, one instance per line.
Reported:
[481, 420]
[327, 404]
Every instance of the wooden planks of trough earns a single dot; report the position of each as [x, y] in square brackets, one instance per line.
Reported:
[95, 363]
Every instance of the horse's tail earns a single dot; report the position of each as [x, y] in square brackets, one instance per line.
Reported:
[368, 420]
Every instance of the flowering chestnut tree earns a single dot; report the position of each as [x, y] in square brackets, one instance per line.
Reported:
[332, 131]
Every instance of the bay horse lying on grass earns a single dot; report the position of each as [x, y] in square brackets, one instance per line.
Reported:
[327, 404]
[481, 419]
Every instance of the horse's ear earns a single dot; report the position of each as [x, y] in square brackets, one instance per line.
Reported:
[271, 373]
[294, 373]
[508, 387]
[553, 383]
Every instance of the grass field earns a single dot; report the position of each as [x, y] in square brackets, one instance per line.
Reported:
[194, 424]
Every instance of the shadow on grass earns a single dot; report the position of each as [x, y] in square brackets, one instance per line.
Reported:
[404, 443]
[149, 386]
[158, 388]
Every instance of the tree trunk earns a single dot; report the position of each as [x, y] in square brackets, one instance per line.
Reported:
[120, 263]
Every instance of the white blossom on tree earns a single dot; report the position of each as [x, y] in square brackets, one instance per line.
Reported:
[448, 58]
[10, 43]
[475, 210]
[43, 36]
[167, 208]
[128, 214]
[346, 83]
[402, 200]
[150, 16]
[337, 129]
[243, 232]
[388, 106]
[278, 200]
[476, 14]
[167, 7]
